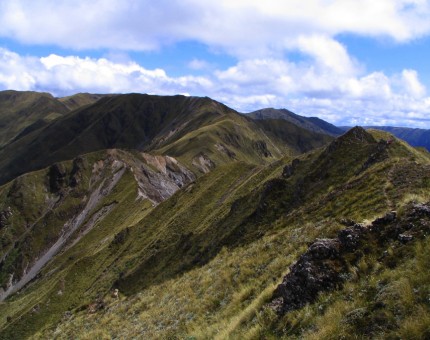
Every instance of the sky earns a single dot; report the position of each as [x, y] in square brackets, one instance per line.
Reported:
[346, 61]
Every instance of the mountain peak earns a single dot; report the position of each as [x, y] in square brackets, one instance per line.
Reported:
[357, 135]
[309, 123]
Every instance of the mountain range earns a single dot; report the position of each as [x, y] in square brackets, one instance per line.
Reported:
[141, 216]
[414, 136]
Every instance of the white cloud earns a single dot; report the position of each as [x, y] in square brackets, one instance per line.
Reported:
[328, 53]
[239, 27]
[198, 64]
[312, 88]
[66, 75]
[412, 84]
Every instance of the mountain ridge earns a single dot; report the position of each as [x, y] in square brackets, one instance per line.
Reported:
[164, 124]
[414, 136]
[171, 217]
[309, 123]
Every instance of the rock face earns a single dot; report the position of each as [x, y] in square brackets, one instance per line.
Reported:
[290, 169]
[57, 177]
[157, 178]
[169, 177]
[319, 269]
[4, 217]
[325, 265]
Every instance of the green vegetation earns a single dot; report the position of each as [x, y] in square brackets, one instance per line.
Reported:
[203, 261]
[313, 124]
[415, 137]
[184, 127]
[20, 110]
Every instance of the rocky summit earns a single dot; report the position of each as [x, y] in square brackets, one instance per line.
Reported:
[136, 216]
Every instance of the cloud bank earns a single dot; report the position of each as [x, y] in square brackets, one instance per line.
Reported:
[328, 82]
[318, 89]
[236, 26]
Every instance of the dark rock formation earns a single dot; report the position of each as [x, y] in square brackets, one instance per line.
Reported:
[290, 168]
[261, 148]
[317, 270]
[378, 155]
[76, 173]
[4, 217]
[57, 177]
[325, 265]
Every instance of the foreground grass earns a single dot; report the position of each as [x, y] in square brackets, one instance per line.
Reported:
[226, 299]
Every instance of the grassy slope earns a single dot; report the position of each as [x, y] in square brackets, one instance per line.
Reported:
[204, 262]
[309, 123]
[415, 137]
[20, 110]
[226, 297]
[79, 100]
[185, 127]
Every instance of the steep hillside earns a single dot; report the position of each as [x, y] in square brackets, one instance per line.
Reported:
[313, 124]
[206, 261]
[43, 211]
[201, 132]
[79, 100]
[19, 110]
[415, 137]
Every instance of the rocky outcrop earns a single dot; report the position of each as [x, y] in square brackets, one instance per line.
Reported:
[76, 173]
[57, 177]
[4, 217]
[261, 148]
[319, 269]
[290, 169]
[326, 264]
[203, 163]
[169, 176]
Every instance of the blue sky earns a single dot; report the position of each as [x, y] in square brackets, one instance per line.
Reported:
[346, 61]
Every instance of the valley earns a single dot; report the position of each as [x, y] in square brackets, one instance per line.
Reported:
[207, 221]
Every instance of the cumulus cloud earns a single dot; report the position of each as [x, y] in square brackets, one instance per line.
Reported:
[412, 84]
[238, 26]
[311, 89]
[199, 64]
[66, 75]
[327, 82]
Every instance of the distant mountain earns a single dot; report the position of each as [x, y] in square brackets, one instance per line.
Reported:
[18, 110]
[309, 123]
[200, 131]
[415, 137]
[24, 111]
[163, 217]
[79, 100]
[124, 244]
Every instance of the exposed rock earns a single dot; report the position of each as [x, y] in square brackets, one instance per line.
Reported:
[350, 237]
[378, 155]
[168, 178]
[4, 217]
[347, 222]
[222, 148]
[405, 238]
[325, 266]
[319, 269]
[289, 169]
[387, 219]
[261, 148]
[57, 177]
[420, 210]
[121, 236]
[97, 305]
[203, 163]
[76, 173]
